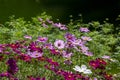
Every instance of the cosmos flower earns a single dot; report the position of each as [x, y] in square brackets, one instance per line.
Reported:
[66, 54]
[54, 51]
[44, 25]
[84, 29]
[12, 66]
[27, 37]
[4, 74]
[48, 46]
[85, 38]
[108, 76]
[52, 62]
[106, 57]
[24, 57]
[59, 44]
[70, 37]
[78, 42]
[82, 69]
[59, 25]
[87, 53]
[49, 21]
[42, 39]
[98, 63]
[35, 54]
[37, 78]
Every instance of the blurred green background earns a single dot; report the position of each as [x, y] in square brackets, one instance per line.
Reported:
[96, 10]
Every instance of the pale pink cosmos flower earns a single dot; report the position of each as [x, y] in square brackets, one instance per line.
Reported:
[78, 42]
[27, 37]
[40, 19]
[66, 54]
[49, 21]
[59, 44]
[106, 57]
[85, 38]
[84, 49]
[59, 25]
[44, 25]
[88, 53]
[84, 29]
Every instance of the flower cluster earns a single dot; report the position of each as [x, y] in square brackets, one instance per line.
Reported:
[57, 56]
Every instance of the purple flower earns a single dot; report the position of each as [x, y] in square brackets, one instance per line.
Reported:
[49, 21]
[54, 51]
[61, 26]
[69, 44]
[27, 37]
[48, 46]
[44, 25]
[84, 49]
[35, 54]
[25, 57]
[59, 44]
[4, 74]
[34, 47]
[12, 66]
[40, 19]
[42, 39]
[68, 62]
[84, 30]
[52, 62]
[88, 53]
[66, 54]
[78, 42]
[70, 37]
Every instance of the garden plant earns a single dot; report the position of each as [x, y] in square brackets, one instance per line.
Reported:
[42, 49]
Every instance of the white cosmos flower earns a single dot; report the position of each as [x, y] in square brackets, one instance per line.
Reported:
[82, 69]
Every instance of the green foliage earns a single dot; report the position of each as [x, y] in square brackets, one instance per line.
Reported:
[105, 38]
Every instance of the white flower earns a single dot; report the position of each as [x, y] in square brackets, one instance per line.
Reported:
[82, 69]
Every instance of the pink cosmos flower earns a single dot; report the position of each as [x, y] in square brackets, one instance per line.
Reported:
[44, 25]
[88, 53]
[106, 57]
[66, 54]
[49, 21]
[42, 39]
[59, 44]
[27, 37]
[40, 19]
[70, 37]
[48, 46]
[85, 38]
[84, 29]
[78, 42]
[61, 26]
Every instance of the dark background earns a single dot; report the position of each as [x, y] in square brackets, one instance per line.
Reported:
[91, 10]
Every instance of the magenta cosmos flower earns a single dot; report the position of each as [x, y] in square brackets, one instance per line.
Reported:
[84, 29]
[59, 44]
